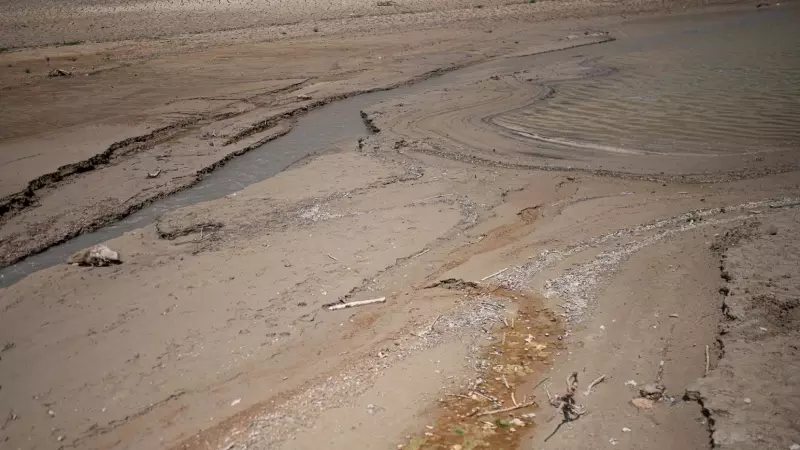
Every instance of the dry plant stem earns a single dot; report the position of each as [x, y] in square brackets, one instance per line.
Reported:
[510, 408]
[332, 257]
[421, 253]
[540, 383]
[505, 381]
[593, 383]
[514, 399]
[494, 274]
[357, 303]
[708, 362]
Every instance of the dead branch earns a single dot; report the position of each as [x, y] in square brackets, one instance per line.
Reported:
[430, 327]
[566, 403]
[514, 399]
[421, 253]
[505, 381]
[494, 274]
[504, 410]
[540, 383]
[594, 383]
[332, 257]
[356, 303]
[708, 362]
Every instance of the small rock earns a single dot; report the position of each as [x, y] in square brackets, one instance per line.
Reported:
[626, 430]
[747, 400]
[674, 316]
[456, 447]
[652, 391]
[794, 446]
[517, 422]
[772, 230]
[51, 413]
[613, 441]
[97, 255]
[60, 438]
[642, 403]
[630, 383]
[236, 402]
[304, 97]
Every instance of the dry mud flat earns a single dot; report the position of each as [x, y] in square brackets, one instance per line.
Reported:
[502, 276]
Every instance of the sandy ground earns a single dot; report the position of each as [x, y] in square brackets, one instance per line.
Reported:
[505, 265]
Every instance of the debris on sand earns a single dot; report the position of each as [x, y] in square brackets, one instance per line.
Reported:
[59, 73]
[642, 403]
[97, 255]
[304, 97]
[356, 303]
[652, 391]
[154, 174]
[386, 3]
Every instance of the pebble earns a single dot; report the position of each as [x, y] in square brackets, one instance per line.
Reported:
[51, 413]
[626, 430]
[642, 403]
[794, 446]
[747, 400]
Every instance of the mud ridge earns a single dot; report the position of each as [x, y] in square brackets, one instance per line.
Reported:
[27, 197]
[138, 205]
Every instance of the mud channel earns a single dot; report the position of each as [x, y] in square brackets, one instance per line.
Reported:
[661, 99]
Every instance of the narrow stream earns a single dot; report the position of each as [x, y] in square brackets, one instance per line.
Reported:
[341, 120]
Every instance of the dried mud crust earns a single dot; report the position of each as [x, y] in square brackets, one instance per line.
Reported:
[752, 397]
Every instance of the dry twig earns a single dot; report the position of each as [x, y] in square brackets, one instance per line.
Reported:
[494, 274]
[421, 253]
[510, 408]
[708, 362]
[356, 303]
[594, 383]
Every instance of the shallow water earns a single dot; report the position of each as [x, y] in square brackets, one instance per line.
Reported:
[714, 83]
[707, 89]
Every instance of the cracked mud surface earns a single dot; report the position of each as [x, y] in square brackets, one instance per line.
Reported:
[506, 264]
[751, 395]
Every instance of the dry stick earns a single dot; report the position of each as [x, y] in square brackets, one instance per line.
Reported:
[494, 274]
[505, 381]
[421, 253]
[510, 408]
[512, 322]
[540, 383]
[503, 342]
[430, 328]
[505, 321]
[514, 400]
[332, 257]
[708, 361]
[593, 383]
[357, 303]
